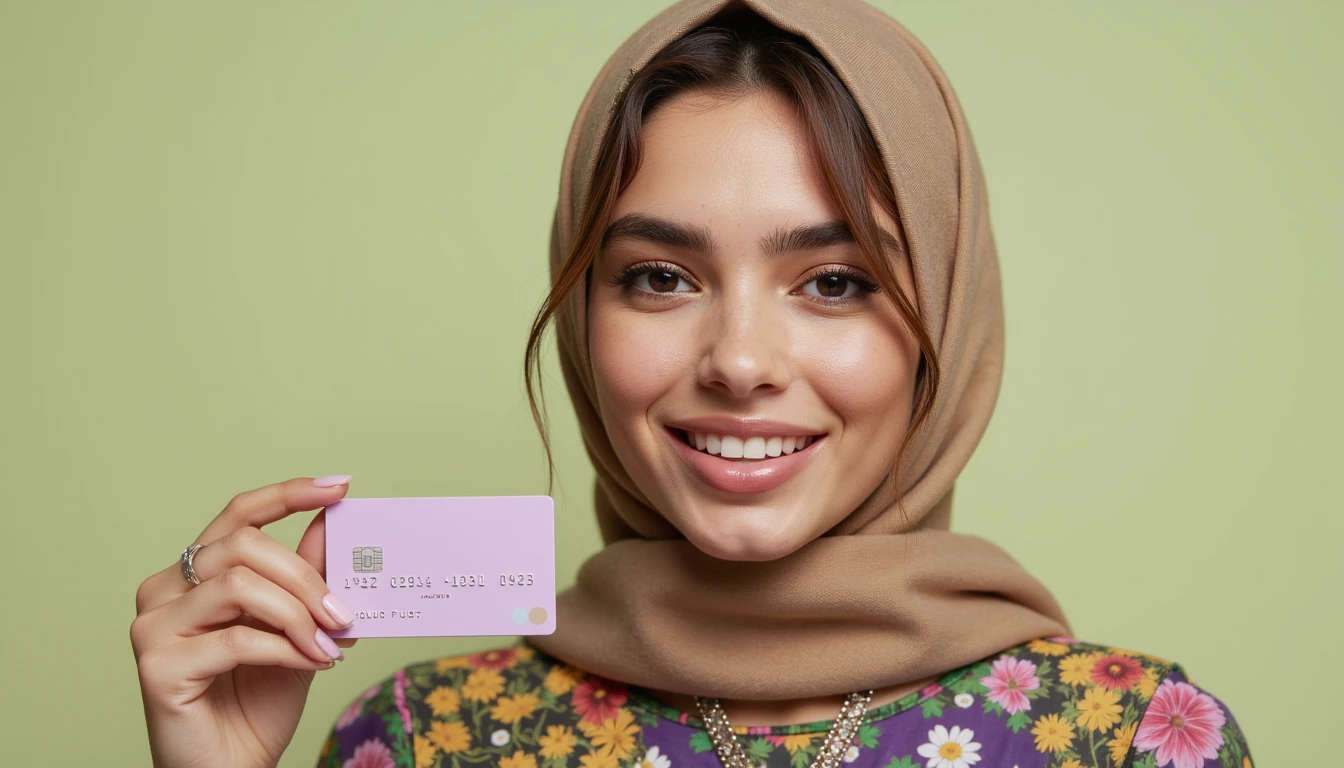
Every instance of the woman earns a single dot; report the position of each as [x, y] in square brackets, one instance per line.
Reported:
[778, 305]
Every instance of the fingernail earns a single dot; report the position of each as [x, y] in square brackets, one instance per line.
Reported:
[327, 481]
[328, 645]
[338, 610]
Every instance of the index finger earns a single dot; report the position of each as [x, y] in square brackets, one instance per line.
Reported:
[269, 503]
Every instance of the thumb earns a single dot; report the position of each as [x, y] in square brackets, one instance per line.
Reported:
[313, 544]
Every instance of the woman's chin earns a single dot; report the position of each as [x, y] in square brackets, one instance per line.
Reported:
[754, 535]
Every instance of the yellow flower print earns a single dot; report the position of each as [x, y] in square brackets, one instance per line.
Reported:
[1120, 743]
[1077, 668]
[588, 728]
[425, 752]
[1246, 762]
[483, 685]
[561, 679]
[599, 759]
[520, 759]
[797, 741]
[1047, 647]
[1147, 685]
[1052, 734]
[617, 734]
[1071, 764]
[511, 709]
[443, 700]
[1099, 709]
[558, 742]
[450, 737]
[455, 662]
[524, 652]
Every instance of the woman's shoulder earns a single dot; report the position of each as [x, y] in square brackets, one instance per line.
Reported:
[1069, 693]
[432, 708]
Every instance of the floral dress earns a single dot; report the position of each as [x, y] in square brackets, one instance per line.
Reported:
[1054, 702]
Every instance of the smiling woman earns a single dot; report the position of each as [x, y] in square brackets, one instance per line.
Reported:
[777, 299]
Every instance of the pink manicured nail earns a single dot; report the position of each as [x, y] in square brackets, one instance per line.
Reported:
[327, 481]
[328, 645]
[338, 610]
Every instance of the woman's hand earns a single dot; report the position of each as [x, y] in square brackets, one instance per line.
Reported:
[225, 666]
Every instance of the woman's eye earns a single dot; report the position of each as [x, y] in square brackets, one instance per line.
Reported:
[831, 287]
[661, 281]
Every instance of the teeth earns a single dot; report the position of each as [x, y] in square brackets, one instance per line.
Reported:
[733, 447]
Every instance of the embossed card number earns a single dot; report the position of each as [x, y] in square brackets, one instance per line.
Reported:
[470, 580]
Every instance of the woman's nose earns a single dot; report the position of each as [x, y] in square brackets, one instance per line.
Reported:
[745, 352]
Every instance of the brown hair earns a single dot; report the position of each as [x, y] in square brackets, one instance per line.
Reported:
[735, 54]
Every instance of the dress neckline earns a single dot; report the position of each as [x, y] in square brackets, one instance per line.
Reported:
[644, 701]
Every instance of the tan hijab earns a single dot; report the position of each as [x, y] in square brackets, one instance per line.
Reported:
[876, 602]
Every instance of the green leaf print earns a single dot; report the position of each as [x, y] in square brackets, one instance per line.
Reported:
[800, 759]
[932, 708]
[868, 735]
[1148, 760]
[1019, 721]
[700, 742]
[902, 762]
[759, 749]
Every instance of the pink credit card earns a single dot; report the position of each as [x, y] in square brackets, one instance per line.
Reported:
[437, 566]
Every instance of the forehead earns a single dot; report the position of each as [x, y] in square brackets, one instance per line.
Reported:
[727, 160]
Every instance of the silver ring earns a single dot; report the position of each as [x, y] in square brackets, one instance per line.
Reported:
[187, 570]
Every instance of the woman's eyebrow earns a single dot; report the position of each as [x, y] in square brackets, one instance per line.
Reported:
[654, 229]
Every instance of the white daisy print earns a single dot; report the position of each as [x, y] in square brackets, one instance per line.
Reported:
[654, 759]
[950, 749]
[499, 738]
[852, 753]
[963, 700]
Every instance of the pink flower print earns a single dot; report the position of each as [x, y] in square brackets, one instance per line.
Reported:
[399, 690]
[930, 690]
[371, 754]
[1065, 639]
[1182, 723]
[1008, 678]
[356, 708]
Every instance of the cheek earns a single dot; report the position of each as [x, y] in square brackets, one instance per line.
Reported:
[866, 376]
[636, 360]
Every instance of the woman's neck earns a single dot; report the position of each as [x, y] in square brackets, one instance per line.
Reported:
[790, 712]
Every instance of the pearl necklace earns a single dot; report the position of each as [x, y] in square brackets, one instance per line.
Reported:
[832, 750]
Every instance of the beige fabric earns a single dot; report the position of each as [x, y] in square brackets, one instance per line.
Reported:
[875, 602]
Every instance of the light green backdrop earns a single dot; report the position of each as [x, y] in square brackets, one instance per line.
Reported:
[247, 241]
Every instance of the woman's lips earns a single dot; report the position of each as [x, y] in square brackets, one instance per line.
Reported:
[742, 476]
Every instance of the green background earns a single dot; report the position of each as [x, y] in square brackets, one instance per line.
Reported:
[249, 241]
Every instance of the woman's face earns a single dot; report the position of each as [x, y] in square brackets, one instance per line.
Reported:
[751, 382]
